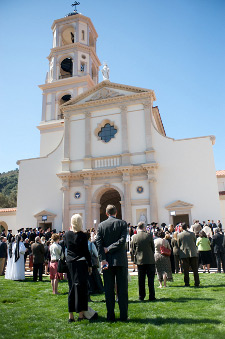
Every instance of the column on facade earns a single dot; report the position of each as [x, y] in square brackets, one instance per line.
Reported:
[44, 102]
[125, 145]
[95, 214]
[88, 205]
[87, 159]
[57, 36]
[152, 194]
[53, 106]
[55, 75]
[66, 202]
[66, 160]
[127, 197]
[75, 64]
[148, 131]
[77, 32]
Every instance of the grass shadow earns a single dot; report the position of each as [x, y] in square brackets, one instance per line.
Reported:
[201, 286]
[174, 300]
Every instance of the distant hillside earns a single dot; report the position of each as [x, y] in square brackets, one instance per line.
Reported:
[8, 188]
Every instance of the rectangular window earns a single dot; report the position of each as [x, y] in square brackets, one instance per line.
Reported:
[82, 34]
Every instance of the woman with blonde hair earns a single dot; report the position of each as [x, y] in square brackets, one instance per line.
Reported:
[79, 265]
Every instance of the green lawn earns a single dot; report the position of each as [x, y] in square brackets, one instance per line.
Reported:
[29, 310]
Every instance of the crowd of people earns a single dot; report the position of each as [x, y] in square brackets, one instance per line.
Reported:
[155, 249]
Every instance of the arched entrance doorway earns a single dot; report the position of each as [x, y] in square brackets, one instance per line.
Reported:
[3, 227]
[110, 197]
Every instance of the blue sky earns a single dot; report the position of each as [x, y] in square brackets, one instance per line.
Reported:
[176, 48]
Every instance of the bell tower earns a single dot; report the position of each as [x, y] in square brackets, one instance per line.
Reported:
[73, 69]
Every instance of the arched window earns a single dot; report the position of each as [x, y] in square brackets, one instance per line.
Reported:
[62, 101]
[66, 69]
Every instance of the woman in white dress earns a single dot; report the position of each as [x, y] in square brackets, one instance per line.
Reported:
[8, 271]
[19, 250]
[18, 267]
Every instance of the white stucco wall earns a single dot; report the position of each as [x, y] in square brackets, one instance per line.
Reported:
[136, 128]
[10, 220]
[221, 184]
[222, 207]
[39, 189]
[49, 140]
[181, 176]
[98, 147]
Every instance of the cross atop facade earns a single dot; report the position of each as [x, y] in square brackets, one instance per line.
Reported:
[75, 4]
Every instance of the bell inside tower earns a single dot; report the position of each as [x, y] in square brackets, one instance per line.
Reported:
[68, 36]
[66, 70]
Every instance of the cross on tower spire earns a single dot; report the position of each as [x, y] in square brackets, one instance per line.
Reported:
[75, 4]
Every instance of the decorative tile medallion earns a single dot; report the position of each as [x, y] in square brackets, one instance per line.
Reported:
[140, 189]
[77, 195]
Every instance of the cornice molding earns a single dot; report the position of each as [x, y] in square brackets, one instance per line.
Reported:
[98, 173]
[51, 125]
[67, 81]
[138, 202]
[127, 98]
[179, 205]
[109, 84]
[71, 48]
[74, 18]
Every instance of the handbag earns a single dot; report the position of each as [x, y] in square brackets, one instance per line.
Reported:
[94, 259]
[165, 251]
[62, 266]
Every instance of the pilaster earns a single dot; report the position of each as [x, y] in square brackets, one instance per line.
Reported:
[53, 104]
[87, 160]
[125, 144]
[66, 200]
[88, 205]
[44, 101]
[95, 214]
[148, 131]
[152, 193]
[66, 160]
[127, 195]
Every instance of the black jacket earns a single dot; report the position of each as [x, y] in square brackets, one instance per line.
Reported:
[77, 246]
[217, 242]
[112, 234]
[3, 249]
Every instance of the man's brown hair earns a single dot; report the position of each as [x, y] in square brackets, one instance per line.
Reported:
[111, 210]
[55, 237]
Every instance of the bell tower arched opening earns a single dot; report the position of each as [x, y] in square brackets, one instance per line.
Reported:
[110, 197]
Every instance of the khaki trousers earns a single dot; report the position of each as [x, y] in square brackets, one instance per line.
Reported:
[2, 265]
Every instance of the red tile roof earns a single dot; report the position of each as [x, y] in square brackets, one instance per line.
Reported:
[13, 209]
[220, 173]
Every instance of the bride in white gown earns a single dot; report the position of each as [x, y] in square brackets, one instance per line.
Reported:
[8, 271]
[16, 269]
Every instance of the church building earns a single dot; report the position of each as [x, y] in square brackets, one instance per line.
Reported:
[104, 142]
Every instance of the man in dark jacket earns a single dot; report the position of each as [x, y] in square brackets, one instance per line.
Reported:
[188, 254]
[217, 242]
[38, 252]
[3, 254]
[111, 241]
[143, 248]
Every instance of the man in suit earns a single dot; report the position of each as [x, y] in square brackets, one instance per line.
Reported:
[217, 242]
[196, 228]
[38, 252]
[3, 254]
[188, 254]
[111, 241]
[143, 248]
